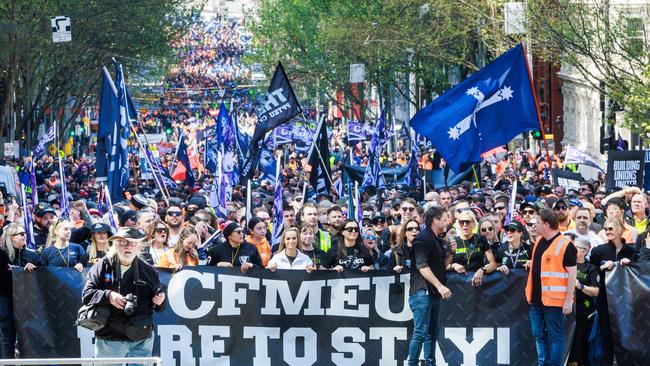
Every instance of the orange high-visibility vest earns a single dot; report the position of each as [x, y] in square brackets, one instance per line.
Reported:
[554, 277]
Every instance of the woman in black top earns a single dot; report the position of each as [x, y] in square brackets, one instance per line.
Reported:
[348, 252]
[472, 251]
[379, 260]
[401, 257]
[99, 245]
[235, 252]
[14, 239]
[587, 287]
[13, 253]
[513, 253]
[604, 257]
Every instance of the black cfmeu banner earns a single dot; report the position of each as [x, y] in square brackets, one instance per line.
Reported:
[280, 106]
[220, 316]
[628, 299]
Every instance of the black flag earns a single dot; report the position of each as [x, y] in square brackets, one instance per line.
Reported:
[281, 105]
[319, 160]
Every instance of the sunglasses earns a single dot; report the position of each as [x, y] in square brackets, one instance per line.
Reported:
[499, 208]
[21, 234]
[378, 221]
[351, 229]
[161, 230]
[529, 212]
[486, 229]
[508, 230]
[409, 209]
[608, 229]
[409, 229]
[370, 237]
[464, 222]
[560, 208]
[174, 213]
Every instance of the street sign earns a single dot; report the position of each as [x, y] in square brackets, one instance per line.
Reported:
[357, 73]
[514, 17]
[61, 31]
[51, 149]
[9, 149]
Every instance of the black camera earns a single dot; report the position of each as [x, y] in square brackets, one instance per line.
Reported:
[131, 304]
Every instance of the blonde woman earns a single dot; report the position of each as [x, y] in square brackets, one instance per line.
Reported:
[99, 244]
[472, 252]
[59, 251]
[158, 235]
[14, 238]
[184, 252]
[289, 255]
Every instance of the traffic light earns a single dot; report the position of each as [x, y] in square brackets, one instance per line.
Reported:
[537, 135]
[168, 130]
[607, 139]
[72, 132]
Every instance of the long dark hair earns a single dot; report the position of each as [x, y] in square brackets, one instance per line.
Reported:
[342, 250]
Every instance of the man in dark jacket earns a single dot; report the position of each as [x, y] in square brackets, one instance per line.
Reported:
[132, 290]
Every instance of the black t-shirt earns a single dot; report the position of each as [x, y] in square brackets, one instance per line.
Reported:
[356, 258]
[471, 253]
[316, 255]
[515, 258]
[428, 251]
[6, 287]
[88, 262]
[569, 260]
[588, 275]
[244, 253]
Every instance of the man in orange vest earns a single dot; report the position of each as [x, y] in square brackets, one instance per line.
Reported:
[551, 283]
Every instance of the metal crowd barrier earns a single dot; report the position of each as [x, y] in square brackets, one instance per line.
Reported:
[76, 361]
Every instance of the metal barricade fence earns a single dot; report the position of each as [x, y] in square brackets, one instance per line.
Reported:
[84, 361]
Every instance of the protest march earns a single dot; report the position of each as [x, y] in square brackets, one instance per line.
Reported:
[234, 221]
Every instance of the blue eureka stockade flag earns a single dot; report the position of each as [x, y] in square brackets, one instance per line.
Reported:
[485, 111]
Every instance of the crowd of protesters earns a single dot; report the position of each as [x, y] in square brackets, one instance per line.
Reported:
[608, 228]
[483, 235]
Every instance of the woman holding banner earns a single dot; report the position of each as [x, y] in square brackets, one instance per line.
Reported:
[605, 257]
[288, 255]
[349, 252]
[401, 257]
[471, 251]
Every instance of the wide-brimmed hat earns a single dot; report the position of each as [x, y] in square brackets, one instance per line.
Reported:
[130, 234]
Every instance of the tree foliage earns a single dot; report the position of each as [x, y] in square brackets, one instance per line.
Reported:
[603, 41]
[435, 41]
[42, 73]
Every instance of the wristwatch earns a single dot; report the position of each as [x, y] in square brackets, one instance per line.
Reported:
[582, 286]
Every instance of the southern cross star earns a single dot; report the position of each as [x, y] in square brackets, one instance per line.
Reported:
[506, 93]
[454, 133]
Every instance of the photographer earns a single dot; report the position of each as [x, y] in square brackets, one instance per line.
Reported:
[131, 288]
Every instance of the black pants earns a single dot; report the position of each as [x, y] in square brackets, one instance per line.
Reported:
[580, 347]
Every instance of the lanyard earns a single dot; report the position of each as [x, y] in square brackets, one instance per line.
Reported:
[514, 262]
[234, 255]
[468, 253]
[67, 263]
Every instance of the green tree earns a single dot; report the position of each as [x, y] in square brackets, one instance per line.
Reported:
[605, 43]
[41, 73]
[434, 41]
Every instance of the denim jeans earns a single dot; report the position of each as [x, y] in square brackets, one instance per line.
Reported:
[106, 348]
[7, 329]
[426, 316]
[547, 324]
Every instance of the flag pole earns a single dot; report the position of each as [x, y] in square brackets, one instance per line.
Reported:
[154, 170]
[476, 176]
[539, 116]
[314, 145]
[249, 201]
